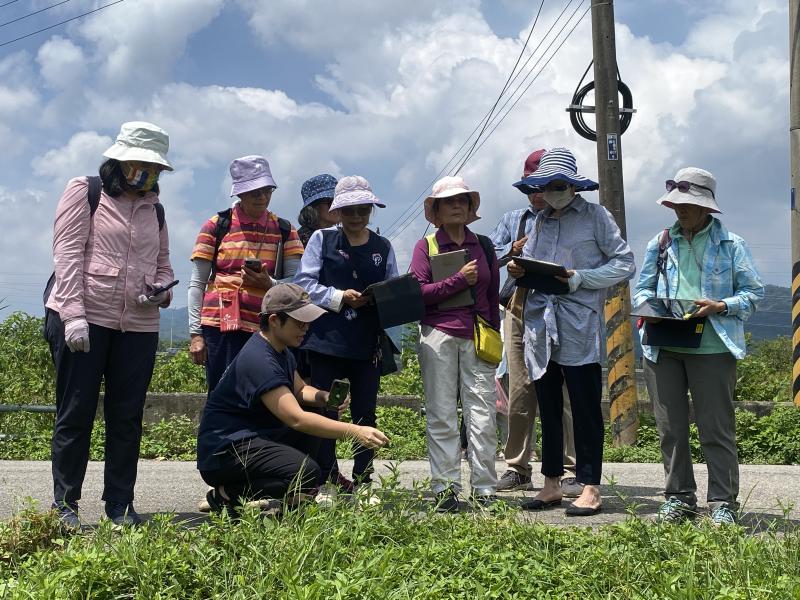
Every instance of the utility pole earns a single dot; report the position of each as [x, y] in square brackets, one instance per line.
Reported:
[794, 150]
[623, 402]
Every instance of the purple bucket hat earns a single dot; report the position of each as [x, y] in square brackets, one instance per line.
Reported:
[352, 191]
[250, 173]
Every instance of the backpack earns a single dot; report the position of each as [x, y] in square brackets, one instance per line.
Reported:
[224, 226]
[93, 197]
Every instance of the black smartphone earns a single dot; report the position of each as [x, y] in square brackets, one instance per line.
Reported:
[338, 393]
[253, 264]
[158, 290]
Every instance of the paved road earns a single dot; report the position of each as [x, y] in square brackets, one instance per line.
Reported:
[177, 487]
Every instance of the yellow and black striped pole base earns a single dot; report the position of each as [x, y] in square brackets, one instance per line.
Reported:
[622, 396]
[796, 333]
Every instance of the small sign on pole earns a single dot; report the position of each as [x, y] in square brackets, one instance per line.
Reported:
[613, 146]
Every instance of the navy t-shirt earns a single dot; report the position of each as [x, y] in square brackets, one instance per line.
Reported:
[234, 410]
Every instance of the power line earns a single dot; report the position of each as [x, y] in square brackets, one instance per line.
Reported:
[7, 3]
[61, 23]
[419, 210]
[36, 12]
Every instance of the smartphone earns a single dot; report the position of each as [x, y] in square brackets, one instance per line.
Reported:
[160, 289]
[253, 264]
[338, 393]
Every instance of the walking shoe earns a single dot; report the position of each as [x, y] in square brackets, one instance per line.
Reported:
[511, 480]
[571, 488]
[484, 500]
[723, 515]
[68, 515]
[675, 511]
[344, 484]
[123, 514]
[447, 501]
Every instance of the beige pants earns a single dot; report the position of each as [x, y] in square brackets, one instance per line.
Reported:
[522, 402]
[450, 367]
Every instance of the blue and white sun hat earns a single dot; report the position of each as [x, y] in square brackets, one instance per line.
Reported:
[557, 164]
[319, 187]
[352, 191]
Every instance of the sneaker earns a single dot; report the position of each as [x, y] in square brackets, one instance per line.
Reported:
[447, 501]
[723, 515]
[511, 480]
[675, 511]
[123, 514]
[68, 515]
[571, 488]
[344, 485]
[484, 500]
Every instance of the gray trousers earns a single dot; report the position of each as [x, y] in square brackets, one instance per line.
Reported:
[711, 379]
[522, 402]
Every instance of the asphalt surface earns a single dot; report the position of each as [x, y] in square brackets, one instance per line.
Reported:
[768, 493]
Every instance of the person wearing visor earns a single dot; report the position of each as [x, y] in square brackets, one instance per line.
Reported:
[339, 263]
[317, 194]
[509, 238]
[450, 365]
[111, 255]
[564, 332]
[255, 440]
[702, 261]
[238, 255]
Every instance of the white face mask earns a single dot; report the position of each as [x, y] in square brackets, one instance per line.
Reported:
[558, 200]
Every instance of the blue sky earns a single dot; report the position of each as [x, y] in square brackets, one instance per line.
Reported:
[387, 90]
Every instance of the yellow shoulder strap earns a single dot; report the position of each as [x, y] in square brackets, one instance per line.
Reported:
[433, 245]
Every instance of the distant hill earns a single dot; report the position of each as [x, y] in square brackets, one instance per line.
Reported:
[174, 325]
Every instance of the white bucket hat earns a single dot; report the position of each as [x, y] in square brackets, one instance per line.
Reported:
[451, 186]
[142, 141]
[691, 186]
[352, 191]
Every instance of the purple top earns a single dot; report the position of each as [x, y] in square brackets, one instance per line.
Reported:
[458, 322]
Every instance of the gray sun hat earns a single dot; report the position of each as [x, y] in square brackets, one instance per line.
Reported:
[701, 191]
[291, 299]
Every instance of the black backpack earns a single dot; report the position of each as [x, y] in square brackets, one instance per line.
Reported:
[224, 226]
[93, 197]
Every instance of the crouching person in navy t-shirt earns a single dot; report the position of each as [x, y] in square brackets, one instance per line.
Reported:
[255, 438]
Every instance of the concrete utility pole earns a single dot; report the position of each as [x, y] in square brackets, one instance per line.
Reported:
[619, 334]
[794, 149]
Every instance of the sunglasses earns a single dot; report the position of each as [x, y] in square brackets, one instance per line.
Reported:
[556, 186]
[352, 211]
[684, 186]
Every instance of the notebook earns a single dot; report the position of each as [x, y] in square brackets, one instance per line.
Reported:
[398, 300]
[443, 266]
[677, 327]
[540, 276]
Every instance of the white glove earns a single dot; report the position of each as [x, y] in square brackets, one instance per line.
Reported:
[574, 282]
[76, 334]
[157, 300]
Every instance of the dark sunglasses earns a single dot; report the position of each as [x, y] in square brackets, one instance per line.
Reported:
[556, 186]
[684, 186]
[352, 211]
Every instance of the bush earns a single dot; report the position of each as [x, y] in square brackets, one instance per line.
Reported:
[765, 374]
[27, 375]
[177, 373]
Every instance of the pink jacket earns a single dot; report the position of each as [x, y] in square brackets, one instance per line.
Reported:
[103, 263]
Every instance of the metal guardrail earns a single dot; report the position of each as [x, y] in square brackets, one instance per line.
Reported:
[33, 408]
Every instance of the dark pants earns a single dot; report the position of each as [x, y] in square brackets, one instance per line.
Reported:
[364, 377]
[125, 360]
[221, 349]
[585, 388]
[258, 468]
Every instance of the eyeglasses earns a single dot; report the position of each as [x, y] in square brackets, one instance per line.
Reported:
[556, 186]
[352, 211]
[683, 186]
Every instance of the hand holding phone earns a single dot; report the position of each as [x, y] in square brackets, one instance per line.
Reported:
[159, 289]
[338, 394]
[253, 264]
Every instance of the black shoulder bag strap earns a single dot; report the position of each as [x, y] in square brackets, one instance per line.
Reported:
[286, 229]
[221, 230]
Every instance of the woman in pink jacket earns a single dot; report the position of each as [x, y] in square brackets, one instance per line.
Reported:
[111, 255]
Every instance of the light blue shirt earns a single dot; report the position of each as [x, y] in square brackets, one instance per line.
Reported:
[507, 229]
[568, 328]
[728, 274]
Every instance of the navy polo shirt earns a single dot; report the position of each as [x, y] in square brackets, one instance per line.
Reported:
[234, 410]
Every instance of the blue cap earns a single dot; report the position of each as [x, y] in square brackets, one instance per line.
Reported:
[317, 188]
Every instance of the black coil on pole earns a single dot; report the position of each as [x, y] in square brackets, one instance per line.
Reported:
[576, 115]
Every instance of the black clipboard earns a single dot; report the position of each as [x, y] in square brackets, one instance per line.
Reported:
[398, 300]
[540, 276]
[677, 327]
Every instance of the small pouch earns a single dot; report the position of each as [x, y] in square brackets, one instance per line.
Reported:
[488, 343]
[229, 317]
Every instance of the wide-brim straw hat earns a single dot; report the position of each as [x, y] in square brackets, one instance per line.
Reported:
[702, 192]
[141, 141]
[353, 190]
[451, 186]
[557, 164]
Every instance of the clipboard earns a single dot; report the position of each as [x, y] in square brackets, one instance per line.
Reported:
[677, 327]
[398, 300]
[443, 266]
[540, 276]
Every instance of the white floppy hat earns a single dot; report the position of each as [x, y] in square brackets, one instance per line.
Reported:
[142, 141]
[352, 191]
[451, 186]
[691, 186]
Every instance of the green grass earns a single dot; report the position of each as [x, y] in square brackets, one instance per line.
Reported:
[391, 552]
